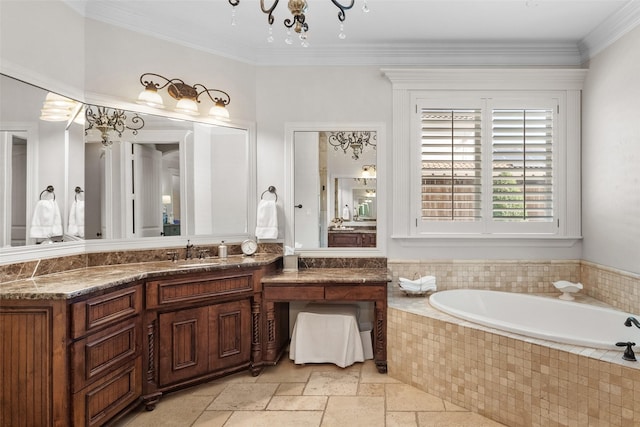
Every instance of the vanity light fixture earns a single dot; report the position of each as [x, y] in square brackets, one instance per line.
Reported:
[354, 140]
[369, 171]
[186, 95]
[298, 8]
[109, 121]
[57, 108]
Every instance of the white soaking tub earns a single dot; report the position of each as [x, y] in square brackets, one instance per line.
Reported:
[540, 317]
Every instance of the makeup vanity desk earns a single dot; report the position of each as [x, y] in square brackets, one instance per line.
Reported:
[324, 285]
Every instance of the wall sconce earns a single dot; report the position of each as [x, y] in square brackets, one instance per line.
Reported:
[109, 121]
[186, 95]
[354, 140]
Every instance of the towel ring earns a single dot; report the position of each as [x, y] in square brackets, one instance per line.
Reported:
[49, 189]
[78, 190]
[271, 190]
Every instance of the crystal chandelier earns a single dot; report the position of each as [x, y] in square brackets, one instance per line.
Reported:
[354, 140]
[298, 22]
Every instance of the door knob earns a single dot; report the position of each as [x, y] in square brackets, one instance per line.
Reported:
[299, 206]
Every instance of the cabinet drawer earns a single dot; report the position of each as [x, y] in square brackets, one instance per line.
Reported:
[105, 310]
[293, 293]
[100, 401]
[104, 351]
[356, 292]
[165, 292]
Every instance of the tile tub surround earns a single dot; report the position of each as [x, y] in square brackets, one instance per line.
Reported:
[616, 288]
[510, 379]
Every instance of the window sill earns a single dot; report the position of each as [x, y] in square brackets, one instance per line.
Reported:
[481, 240]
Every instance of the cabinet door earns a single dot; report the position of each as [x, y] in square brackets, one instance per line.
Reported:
[183, 345]
[345, 240]
[229, 334]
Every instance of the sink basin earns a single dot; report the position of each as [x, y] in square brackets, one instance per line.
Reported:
[197, 263]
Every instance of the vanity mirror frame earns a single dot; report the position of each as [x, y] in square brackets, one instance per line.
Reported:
[289, 209]
[13, 254]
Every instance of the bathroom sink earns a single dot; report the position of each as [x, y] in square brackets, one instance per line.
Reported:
[198, 263]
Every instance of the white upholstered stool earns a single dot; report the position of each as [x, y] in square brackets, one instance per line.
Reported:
[329, 333]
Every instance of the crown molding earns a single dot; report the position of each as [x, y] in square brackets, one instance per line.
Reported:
[611, 29]
[486, 78]
[471, 53]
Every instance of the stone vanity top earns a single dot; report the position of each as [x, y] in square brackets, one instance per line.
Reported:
[74, 283]
[328, 275]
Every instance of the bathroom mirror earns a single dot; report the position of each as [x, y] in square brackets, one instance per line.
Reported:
[32, 158]
[334, 172]
[204, 181]
[169, 178]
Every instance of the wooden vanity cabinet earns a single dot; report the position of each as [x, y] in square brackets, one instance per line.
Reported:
[351, 240]
[105, 355]
[199, 326]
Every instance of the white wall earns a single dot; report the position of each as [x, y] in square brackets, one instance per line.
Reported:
[116, 58]
[313, 94]
[611, 156]
[43, 42]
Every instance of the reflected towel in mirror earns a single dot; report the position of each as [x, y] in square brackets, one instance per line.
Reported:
[267, 220]
[76, 219]
[46, 221]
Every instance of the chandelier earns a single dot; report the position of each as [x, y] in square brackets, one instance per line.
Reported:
[109, 121]
[188, 96]
[298, 22]
[354, 140]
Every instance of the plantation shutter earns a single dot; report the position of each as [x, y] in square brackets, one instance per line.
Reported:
[522, 165]
[451, 177]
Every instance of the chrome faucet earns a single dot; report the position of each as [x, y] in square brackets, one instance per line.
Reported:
[630, 321]
[188, 254]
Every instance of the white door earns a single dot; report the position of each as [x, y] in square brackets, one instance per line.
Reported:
[19, 191]
[306, 192]
[146, 200]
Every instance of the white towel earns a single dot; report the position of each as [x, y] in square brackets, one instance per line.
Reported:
[267, 220]
[46, 221]
[76, 219]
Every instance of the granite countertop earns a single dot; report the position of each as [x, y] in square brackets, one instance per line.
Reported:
[74, 283]
[328, 275]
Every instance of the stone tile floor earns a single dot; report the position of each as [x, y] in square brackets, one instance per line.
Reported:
[321, 395]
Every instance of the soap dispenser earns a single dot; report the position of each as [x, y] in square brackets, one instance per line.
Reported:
[222, 250]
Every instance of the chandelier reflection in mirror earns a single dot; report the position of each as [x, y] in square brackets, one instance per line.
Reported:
[110, 122]
[188, 96]
[298, 22]
[354, 140]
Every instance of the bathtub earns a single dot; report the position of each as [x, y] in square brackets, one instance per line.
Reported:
[540, 317]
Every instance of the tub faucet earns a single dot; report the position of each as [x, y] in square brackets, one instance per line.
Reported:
[628, 352]
[188, 254]
[632, 320]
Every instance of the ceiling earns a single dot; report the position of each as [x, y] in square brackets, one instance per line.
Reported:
[394, 32]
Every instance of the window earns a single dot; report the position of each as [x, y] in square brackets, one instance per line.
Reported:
[522, 165]
[487, 164]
